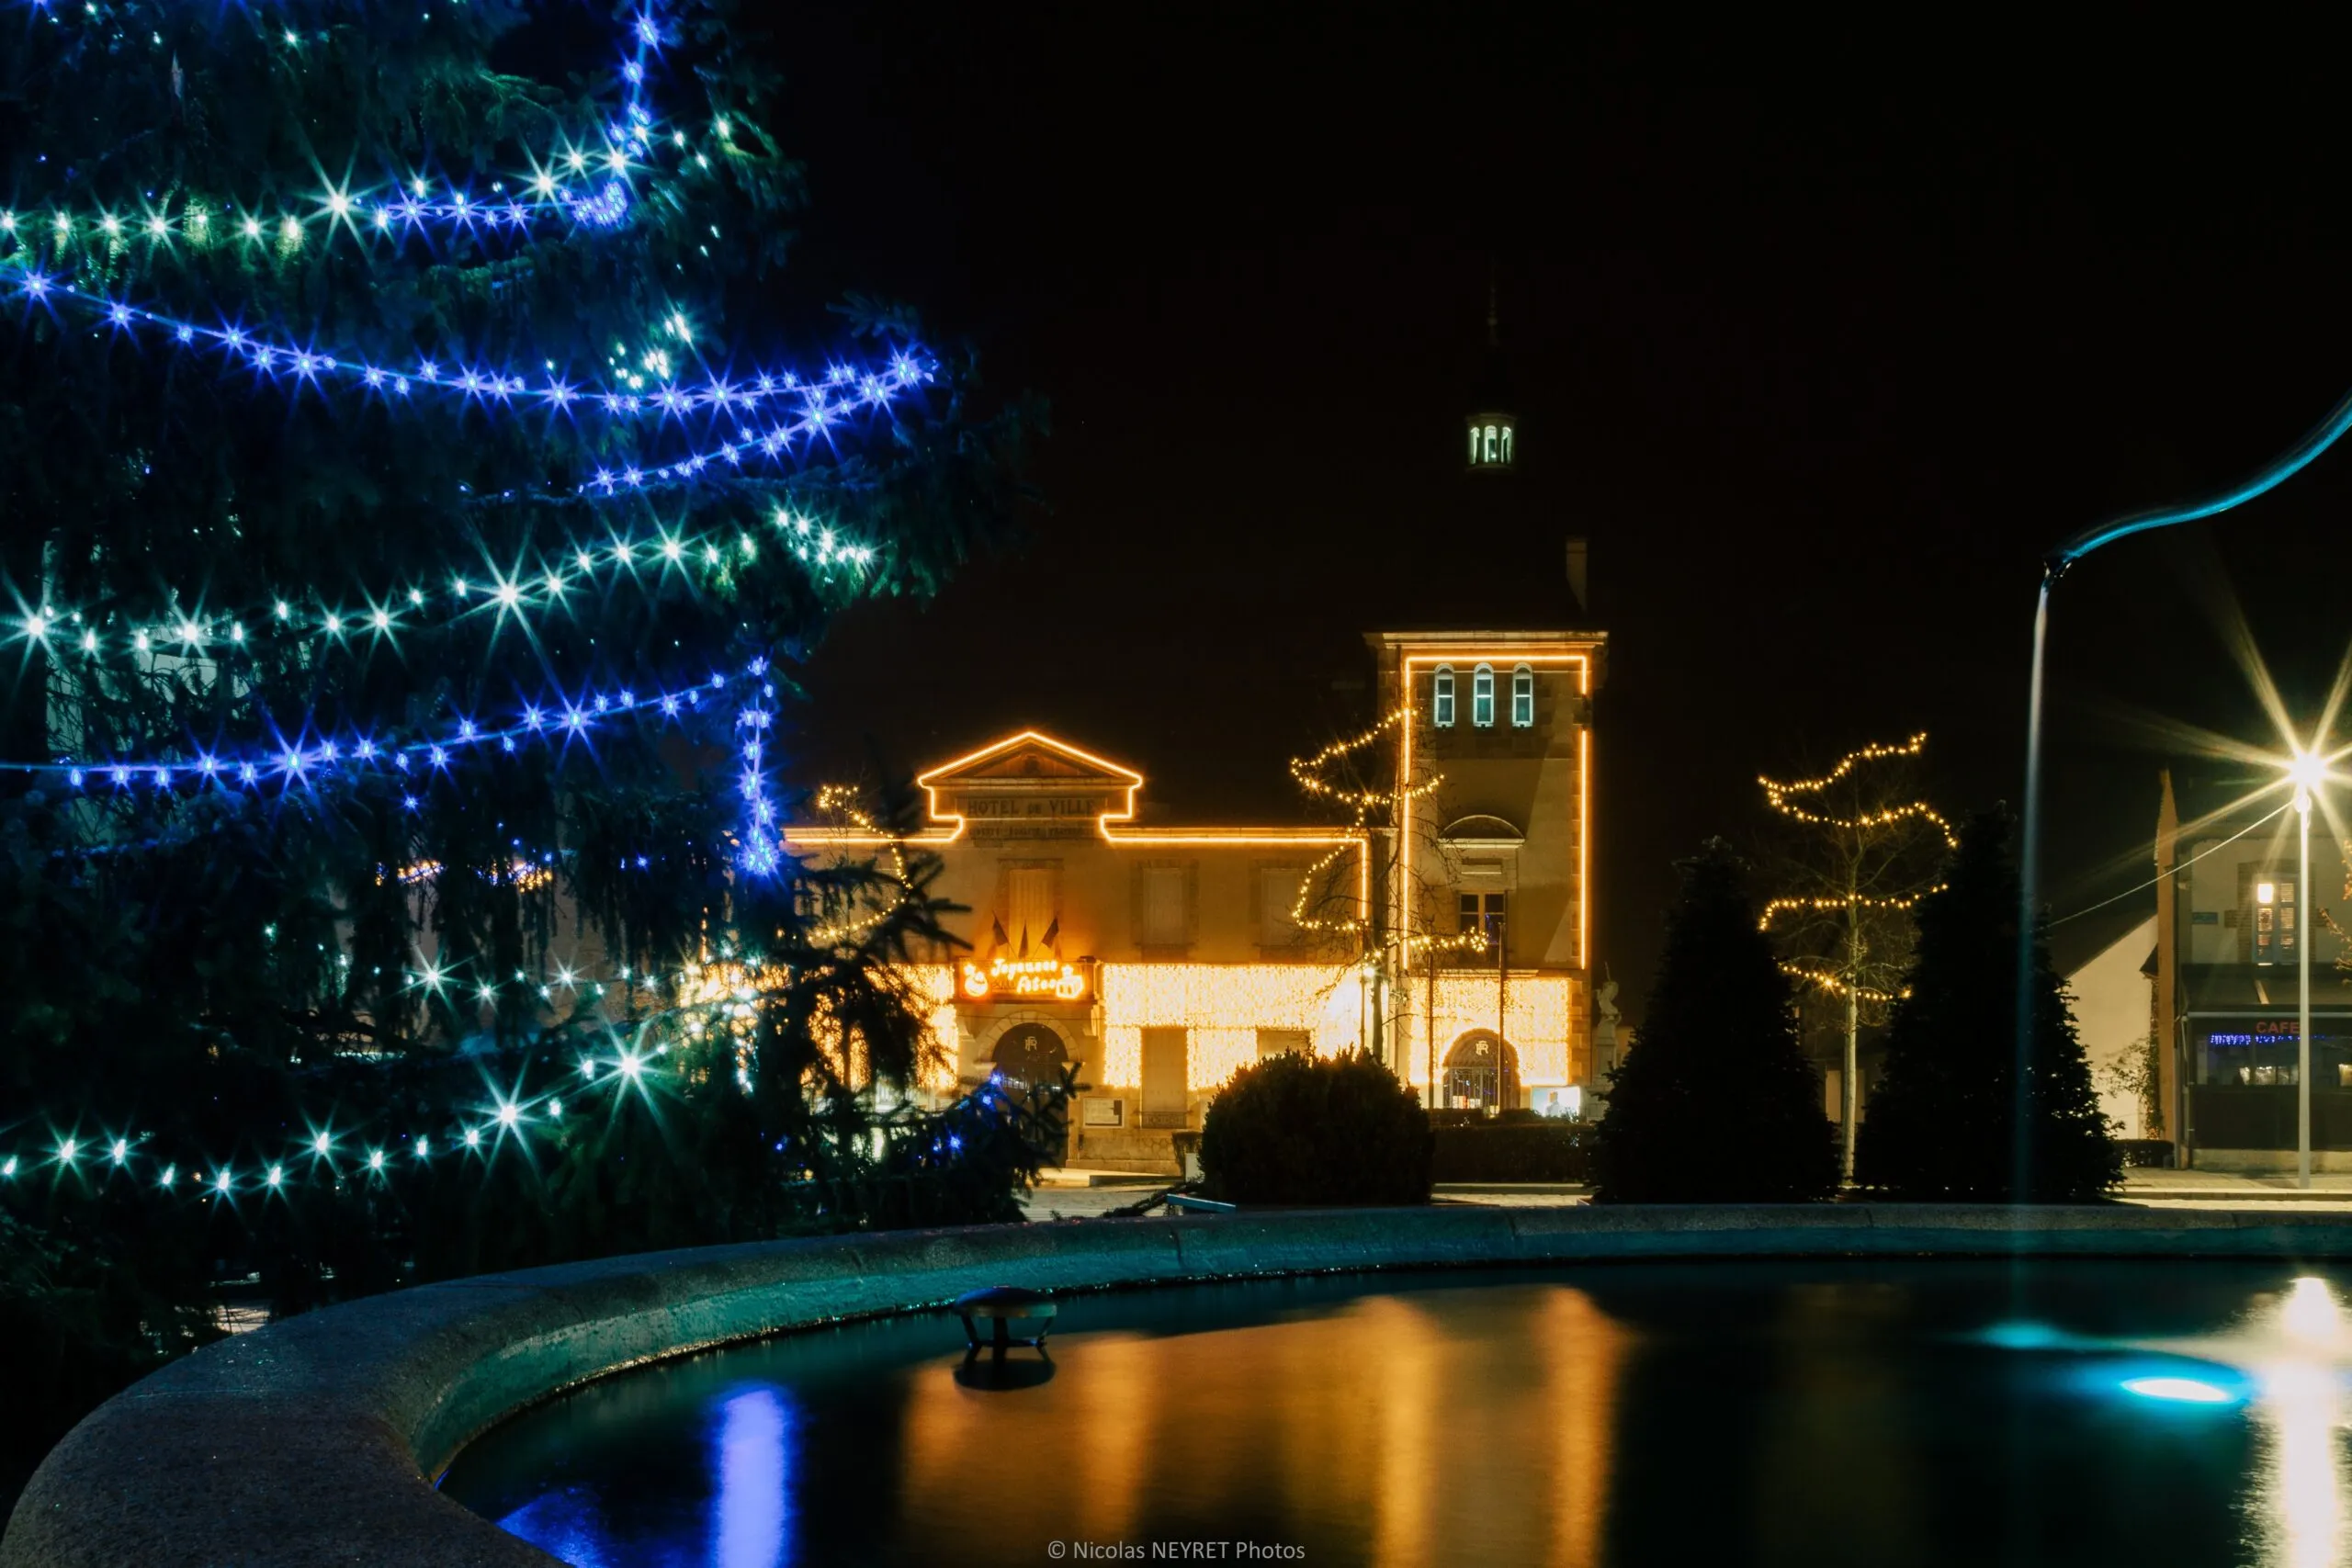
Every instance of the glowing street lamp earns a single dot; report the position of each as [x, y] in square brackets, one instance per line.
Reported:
[2305, 770]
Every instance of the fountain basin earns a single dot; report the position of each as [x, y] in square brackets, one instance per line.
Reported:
[318, 1439]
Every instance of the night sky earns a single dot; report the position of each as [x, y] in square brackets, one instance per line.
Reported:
[1822, 338]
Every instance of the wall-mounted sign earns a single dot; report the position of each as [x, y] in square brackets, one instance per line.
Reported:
[1045, 978]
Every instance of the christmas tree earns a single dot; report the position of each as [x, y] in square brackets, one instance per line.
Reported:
[1964, 1113]
[1716, 1103]
[412, 522]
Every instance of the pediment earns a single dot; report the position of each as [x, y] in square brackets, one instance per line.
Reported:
[1030, 777]
[1030, 758]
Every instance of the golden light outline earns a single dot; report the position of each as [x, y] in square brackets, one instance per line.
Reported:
[1473, 655]
[1337, 839]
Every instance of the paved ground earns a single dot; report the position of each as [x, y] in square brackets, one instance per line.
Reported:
[2153, 1188]
[2228, 1190]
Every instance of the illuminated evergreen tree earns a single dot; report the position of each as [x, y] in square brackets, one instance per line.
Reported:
[410, 521]
[1716, 1103]
[1963, 1112]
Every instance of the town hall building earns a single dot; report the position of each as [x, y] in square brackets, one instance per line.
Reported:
[1450, 936]
[1446, 930]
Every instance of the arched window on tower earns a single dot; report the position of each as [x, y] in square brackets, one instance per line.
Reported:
[1482, 696]
[1522, 698]
[1491, 443]
[1442, 698]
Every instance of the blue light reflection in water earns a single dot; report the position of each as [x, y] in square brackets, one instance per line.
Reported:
[563, 1524]
[748, 1518]
[2028, 1336]
[2186, 1391]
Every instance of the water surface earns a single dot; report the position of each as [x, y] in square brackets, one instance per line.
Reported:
[2076, 1413]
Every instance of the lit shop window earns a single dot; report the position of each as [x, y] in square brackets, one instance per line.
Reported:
[1482, 696]
[2274, 936]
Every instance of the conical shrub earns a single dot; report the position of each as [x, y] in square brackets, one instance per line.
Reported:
[1966, 1113]
[1716, 1103]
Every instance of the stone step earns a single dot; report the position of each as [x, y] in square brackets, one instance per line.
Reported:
[1147, 1150]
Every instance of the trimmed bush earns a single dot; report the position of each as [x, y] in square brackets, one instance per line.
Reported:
[1532, 1150]
[1957, 1117]
[2145, 1152]
[1316, 1130]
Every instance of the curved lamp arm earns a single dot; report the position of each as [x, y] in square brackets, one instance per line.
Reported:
[2268, 477]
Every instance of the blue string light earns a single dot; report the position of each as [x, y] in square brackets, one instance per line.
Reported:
[759, 854]
[392, 213]
[824, 402]
[544, 585]
[399, 207]
[358, 753]
[327, 1156]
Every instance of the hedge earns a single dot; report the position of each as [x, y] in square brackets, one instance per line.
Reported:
[1514, 1151]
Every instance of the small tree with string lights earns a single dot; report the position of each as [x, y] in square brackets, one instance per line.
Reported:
[1357, 772]
[1853, 854]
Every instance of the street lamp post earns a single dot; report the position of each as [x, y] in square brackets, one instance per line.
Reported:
[2306, 770]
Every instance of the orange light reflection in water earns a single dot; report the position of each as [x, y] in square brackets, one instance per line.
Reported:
[1423, 1438]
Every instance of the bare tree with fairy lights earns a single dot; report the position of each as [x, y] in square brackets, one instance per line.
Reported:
[1856, 852]
[1393, 923]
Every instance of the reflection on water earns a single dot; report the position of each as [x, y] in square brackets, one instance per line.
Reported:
[2294, 1348]
[1002, 1370]
[1397, 1428]
[755, 1468]
[1815, 1415]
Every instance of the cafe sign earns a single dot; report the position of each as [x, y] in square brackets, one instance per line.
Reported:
[1042, 980]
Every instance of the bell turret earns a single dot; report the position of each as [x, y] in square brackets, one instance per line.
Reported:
[1493, 420]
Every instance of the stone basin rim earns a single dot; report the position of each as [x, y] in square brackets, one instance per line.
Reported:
[315, 1439]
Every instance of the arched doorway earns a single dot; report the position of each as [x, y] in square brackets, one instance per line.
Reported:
[1029, 1054]
[1481, 1073]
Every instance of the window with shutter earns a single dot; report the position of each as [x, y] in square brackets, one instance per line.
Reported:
[1278, 888]
[1165, 917]
[1032, 906]
[1284, 1043]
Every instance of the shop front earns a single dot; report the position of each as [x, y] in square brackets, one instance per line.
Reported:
[2244, 1091]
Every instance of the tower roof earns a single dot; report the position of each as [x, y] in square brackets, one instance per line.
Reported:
[1492, 391]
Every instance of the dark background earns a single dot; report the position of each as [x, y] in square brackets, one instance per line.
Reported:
[1823, 338]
